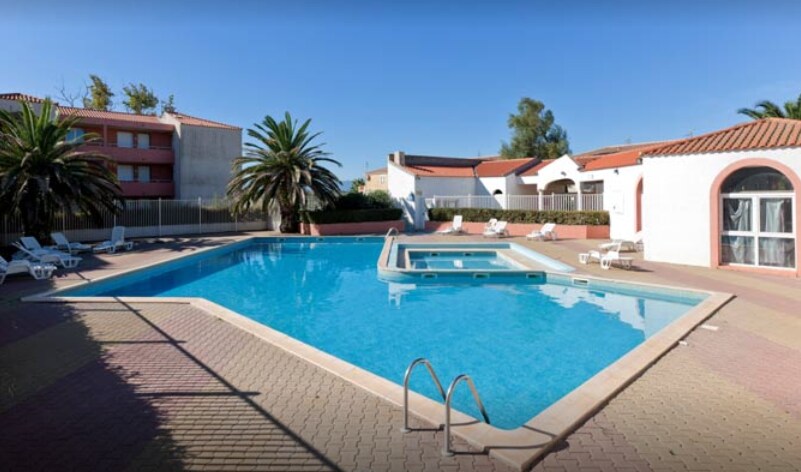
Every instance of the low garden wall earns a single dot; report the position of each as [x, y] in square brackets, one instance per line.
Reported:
[569, 224]
[364, 227]
[522, 229]
[364, 221]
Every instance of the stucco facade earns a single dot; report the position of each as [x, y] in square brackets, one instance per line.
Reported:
[681, 213]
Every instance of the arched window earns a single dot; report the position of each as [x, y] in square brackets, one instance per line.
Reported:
[497, 192]
[757, 212]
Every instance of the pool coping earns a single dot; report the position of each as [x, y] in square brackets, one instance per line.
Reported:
[520, 447]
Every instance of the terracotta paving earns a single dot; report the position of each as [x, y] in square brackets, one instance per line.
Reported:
[159, 386]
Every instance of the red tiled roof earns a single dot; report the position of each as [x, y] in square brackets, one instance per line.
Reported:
[195, 121]
[108, 115]
[500, 167]
[21, 97]
[534, 170]
[761, 134]
[628, 155]
[440, 171]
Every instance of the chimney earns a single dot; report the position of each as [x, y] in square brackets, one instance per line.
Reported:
[398, 157]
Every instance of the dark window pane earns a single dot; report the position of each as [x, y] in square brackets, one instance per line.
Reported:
[737, 249]
[776, 215]
[756, 179]
[777, 252]
[737, 214]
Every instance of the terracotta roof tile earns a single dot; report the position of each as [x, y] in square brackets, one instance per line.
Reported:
[440, 171]
[541, 165]
[628, 157]
[21, 97]
[108, 115]
[766, 133]
[502, 167]
[195, 121]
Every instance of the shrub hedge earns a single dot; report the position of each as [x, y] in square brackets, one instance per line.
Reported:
[362, 201]
[482, 215]
[322, 217]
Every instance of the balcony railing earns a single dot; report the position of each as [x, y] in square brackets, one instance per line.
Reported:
[154, 188]
[556, 202]
[133, 155]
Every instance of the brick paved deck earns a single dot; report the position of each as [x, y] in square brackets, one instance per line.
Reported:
[114, 386]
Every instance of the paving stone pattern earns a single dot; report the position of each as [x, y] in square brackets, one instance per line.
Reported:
[159, 386]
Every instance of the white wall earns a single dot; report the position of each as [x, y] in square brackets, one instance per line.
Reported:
[676, 211]
[620, 198]
[446, 186]
[400, 184]
[488, 185]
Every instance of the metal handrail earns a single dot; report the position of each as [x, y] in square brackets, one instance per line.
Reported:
[406, 377]
[446, 450]
[390, 232]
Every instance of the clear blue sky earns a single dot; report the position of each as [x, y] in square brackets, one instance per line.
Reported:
[424, 77]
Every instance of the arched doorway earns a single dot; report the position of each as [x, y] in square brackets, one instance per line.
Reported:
[499, 198]
[560, 195]
[757, 218]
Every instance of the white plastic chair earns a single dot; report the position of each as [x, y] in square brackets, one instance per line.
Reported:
[497, 231]
[456, 226]
[117, 241]
[45, 256]
[62, 243]
[37, 271]
[548, 231]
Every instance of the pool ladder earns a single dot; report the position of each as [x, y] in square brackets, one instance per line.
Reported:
[391, 231]
[446, 397]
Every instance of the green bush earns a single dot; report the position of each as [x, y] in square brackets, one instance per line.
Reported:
[322, 217]
[483, 215]
[361, 201]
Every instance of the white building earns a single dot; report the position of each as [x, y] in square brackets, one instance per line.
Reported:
[726, 199]
[607, 179]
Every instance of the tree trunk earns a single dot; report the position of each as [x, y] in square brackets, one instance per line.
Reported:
[36, 224]
[289, 220]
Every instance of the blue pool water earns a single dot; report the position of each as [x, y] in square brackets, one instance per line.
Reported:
[446, 260]
[525, 344]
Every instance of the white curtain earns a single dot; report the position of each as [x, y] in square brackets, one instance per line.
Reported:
[774, 251]
[740, 220]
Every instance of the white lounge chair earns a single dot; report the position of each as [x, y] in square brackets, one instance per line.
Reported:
[64, 244]
[623, 244]
[456, 226]
[548, 231]
[497, 231]
[37, 271]
[606, 259]
[47, 256]
[117, 241]
[490, 224]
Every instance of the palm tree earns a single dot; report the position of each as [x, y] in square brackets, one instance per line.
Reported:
[43, 171]
[282, 169]
[768, 109]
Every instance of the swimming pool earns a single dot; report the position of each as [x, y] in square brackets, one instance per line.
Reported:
[526, 344]
[460, 260]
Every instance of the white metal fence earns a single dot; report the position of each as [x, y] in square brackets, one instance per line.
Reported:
[558, 202]
[150, 218]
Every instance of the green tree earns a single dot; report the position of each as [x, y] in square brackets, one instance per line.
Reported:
[768, 109]
[100, 95]
[140, 99]
[168, 106]
[356, 184]
[42, 172]
[282, 169]
[535, 133]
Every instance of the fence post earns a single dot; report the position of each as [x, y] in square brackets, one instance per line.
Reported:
[199, 215]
